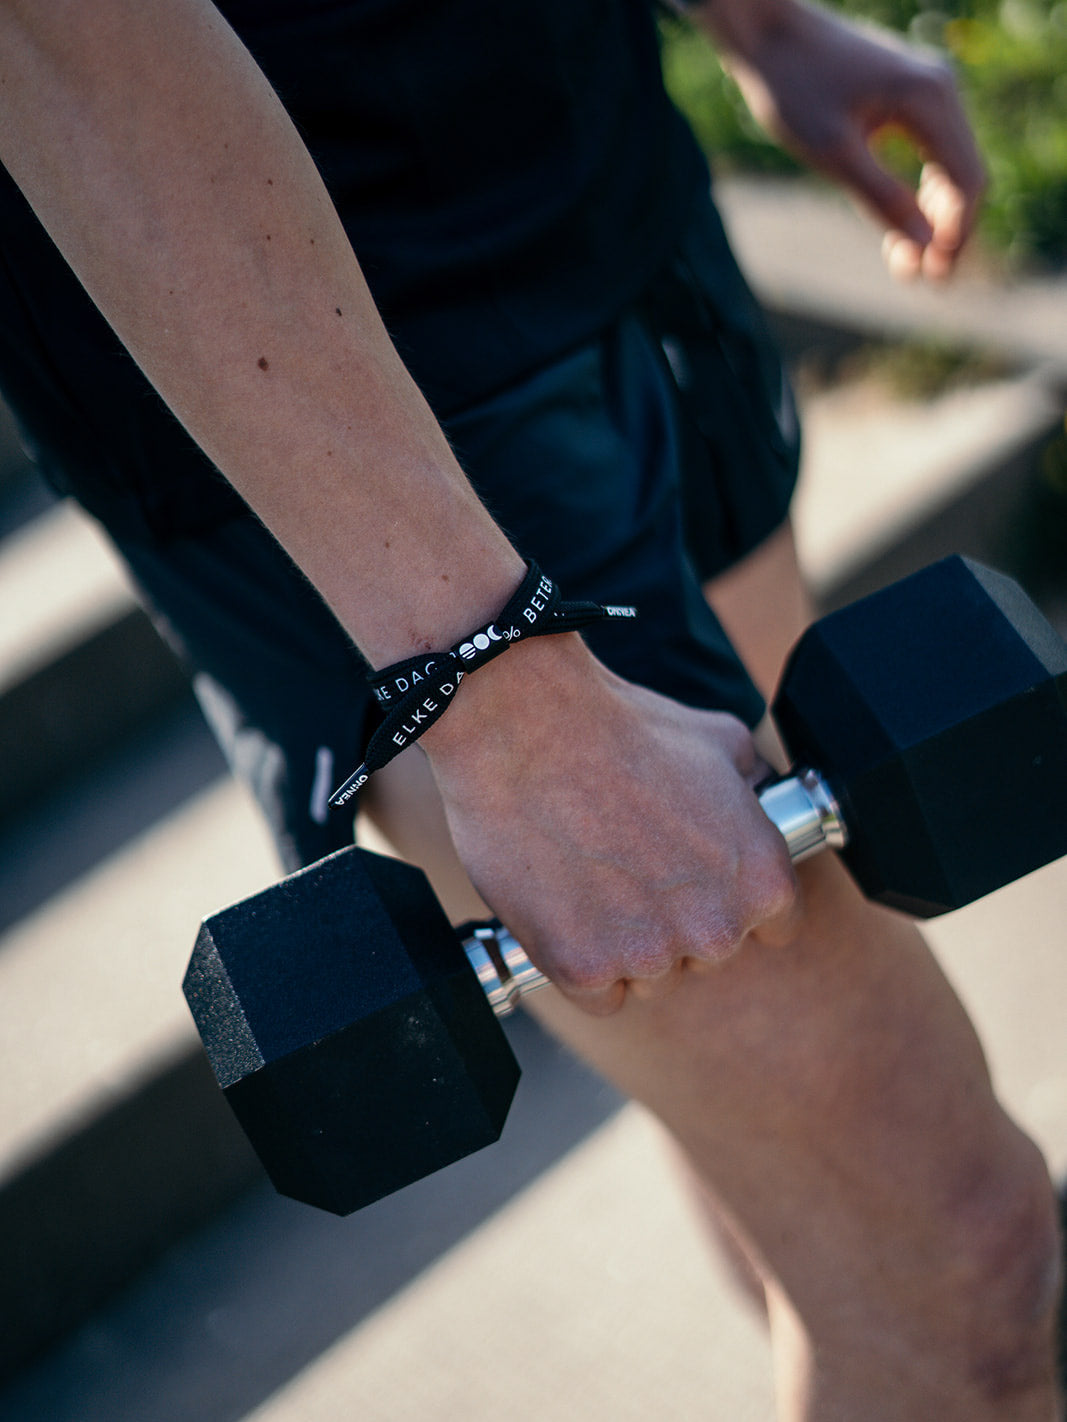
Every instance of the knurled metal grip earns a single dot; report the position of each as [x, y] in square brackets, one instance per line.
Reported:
[801, 807]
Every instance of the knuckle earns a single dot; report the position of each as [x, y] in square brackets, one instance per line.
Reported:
[780, 888]
[577, 978]
[651, 959]
[772, 885]
[734, 737]
[722, 937]
[601, 1004]
[584, 975]
[934, 81]
[742, 747]
[652, 988]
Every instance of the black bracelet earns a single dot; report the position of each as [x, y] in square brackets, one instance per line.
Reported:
[413, 694]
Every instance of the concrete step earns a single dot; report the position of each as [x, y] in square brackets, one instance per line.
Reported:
[891, 484]
[112, 1137]
[81, 668]
[579, 1290]
[810, 254]
[574, 1293]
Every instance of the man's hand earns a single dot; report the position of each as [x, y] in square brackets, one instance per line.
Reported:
[634, 848]
[824, 87]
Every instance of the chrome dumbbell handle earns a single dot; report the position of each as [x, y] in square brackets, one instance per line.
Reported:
[803, 809]
[503, 969]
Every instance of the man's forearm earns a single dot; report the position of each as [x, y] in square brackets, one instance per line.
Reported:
[169, 175]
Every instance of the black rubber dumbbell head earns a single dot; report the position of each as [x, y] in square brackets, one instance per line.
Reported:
[351, 1038]
[936, 710]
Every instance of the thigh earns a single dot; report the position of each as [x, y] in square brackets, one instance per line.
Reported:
[764, 606]
[832, 1098]
[831, 1095]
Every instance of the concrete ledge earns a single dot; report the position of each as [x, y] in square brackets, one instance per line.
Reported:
[104, 1199]
[113, 1137]
[81, 666]
[59, 581]
[889, 485]
[810, 254]
[81, 704]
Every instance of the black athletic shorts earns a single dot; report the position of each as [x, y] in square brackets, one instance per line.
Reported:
[631, 470]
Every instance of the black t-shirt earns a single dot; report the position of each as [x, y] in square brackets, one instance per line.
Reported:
[508, 174]
[510, 177]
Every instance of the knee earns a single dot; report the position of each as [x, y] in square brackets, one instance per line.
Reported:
[1007, 1232]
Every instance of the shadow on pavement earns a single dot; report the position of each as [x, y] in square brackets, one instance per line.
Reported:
[106, 807]
[234, 1311]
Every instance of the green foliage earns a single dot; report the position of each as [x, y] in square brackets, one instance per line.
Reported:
[1011, 58]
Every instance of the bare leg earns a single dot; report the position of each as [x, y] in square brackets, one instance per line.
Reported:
[833, 1101]
[764, 633]
[763, 606]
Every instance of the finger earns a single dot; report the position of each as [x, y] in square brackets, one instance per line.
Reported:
[661, 985]
[743, 750]
[954, 175]
[888, 197]
[937, 263]
[597, 1002]
[902, 256]
[951, 215]
[950, 222]
[784, 927]
[947, 209]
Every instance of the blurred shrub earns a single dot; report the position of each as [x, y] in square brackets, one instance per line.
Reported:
[1011, 58]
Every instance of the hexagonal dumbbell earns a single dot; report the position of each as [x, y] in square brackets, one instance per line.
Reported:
[354, 1031]
[934, 711]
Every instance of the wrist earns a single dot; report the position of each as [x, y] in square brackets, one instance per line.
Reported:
[440, 604]
[415, 693]
[500, 712]
[740, 31]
